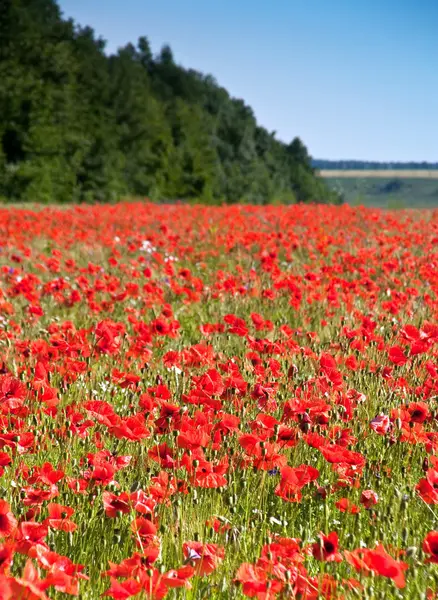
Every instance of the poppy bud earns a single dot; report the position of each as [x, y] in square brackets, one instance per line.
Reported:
[321, 492]
[293, 370]
[305, 427]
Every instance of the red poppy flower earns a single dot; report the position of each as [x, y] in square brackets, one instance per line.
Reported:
[144, 529]
[382, 563]
[345, 505]
[204, 557]
[124, 589]
[418, 412]
[327, 548]
[338, 454]
[293, 479]
[177, 578]
[29, 586]
[256, 582]
[8, 522]
[430, 546]
[59, 517]
[369, 498]
[380, 424]
[397, 356]
[115, 505]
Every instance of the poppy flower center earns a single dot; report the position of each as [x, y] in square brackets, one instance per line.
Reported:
[417, 414]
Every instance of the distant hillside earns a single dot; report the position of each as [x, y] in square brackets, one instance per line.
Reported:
[323, 164]
[387, 192]
[379, 173]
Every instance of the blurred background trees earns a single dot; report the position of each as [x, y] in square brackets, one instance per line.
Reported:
[79, 125]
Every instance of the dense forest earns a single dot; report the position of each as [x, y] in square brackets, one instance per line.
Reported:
[77, 124]
[366, 165]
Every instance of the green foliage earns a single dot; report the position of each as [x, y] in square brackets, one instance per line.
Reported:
[78, 125]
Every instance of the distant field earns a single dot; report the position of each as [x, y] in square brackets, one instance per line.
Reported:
[380, 173]
[385, 190]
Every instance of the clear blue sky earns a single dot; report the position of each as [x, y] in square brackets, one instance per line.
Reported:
[353, 78]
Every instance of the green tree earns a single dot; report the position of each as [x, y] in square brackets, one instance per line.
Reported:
[78, 125]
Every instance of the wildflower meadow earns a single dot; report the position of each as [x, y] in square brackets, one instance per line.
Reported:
[218, 402]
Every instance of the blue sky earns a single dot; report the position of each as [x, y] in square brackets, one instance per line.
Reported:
[352, 78]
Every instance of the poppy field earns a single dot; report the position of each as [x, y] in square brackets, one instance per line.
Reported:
[218, 402]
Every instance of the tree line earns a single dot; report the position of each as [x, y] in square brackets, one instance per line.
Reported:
[79, 125]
